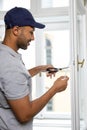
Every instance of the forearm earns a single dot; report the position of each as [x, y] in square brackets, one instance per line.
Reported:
[34, 71]
[38, 104]
[30, 108]
[35, 106]
[39, 69]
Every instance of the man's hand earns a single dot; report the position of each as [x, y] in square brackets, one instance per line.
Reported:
[45, 68]
[60, 84]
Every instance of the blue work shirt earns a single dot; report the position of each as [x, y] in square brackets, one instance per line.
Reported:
[15, 83]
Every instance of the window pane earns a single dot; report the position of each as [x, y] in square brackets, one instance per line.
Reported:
[2, 29]
[57, 50]
[8, 4]
[54, 3]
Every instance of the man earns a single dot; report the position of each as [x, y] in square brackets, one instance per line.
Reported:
[17, 108]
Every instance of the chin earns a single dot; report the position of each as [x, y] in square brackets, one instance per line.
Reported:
[24, 48]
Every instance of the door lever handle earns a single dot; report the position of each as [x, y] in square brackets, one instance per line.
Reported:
[81, 62]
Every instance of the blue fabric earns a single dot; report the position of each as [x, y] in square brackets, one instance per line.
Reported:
[19, 16]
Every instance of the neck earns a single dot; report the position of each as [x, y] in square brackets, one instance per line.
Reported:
[10, 41]
[9, 44]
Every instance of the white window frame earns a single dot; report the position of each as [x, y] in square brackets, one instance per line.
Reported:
[76, 8]
[44, 12]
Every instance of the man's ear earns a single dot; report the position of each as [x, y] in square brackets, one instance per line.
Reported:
[15, 30]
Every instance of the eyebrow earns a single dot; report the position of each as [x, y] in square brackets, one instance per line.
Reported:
[33, 28]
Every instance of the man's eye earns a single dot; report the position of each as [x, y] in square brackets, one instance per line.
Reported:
[31, 33]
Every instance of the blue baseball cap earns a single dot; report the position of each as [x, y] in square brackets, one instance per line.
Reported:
[19, 16]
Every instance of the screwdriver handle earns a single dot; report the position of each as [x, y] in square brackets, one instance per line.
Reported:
[52, 70]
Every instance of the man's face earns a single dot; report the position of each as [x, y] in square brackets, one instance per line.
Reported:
[25, 36]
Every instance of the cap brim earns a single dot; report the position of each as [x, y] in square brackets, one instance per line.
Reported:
[38, 25]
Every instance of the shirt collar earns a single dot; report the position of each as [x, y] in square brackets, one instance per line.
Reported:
[10, 50]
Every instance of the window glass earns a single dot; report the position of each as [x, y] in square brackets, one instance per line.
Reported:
[57, 51]
[8, 4]
[2, 32]
[54, 3]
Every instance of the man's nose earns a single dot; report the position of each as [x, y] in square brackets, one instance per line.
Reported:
[32, 37]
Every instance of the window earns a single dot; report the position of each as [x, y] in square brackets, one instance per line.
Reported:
[48, 8]
[48, 51]
[7, 4]
[54, 47]
[57, 53]
[54, 3]
[2, 28]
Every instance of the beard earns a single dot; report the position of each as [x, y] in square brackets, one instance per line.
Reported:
[23, 41]
[23, 44]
